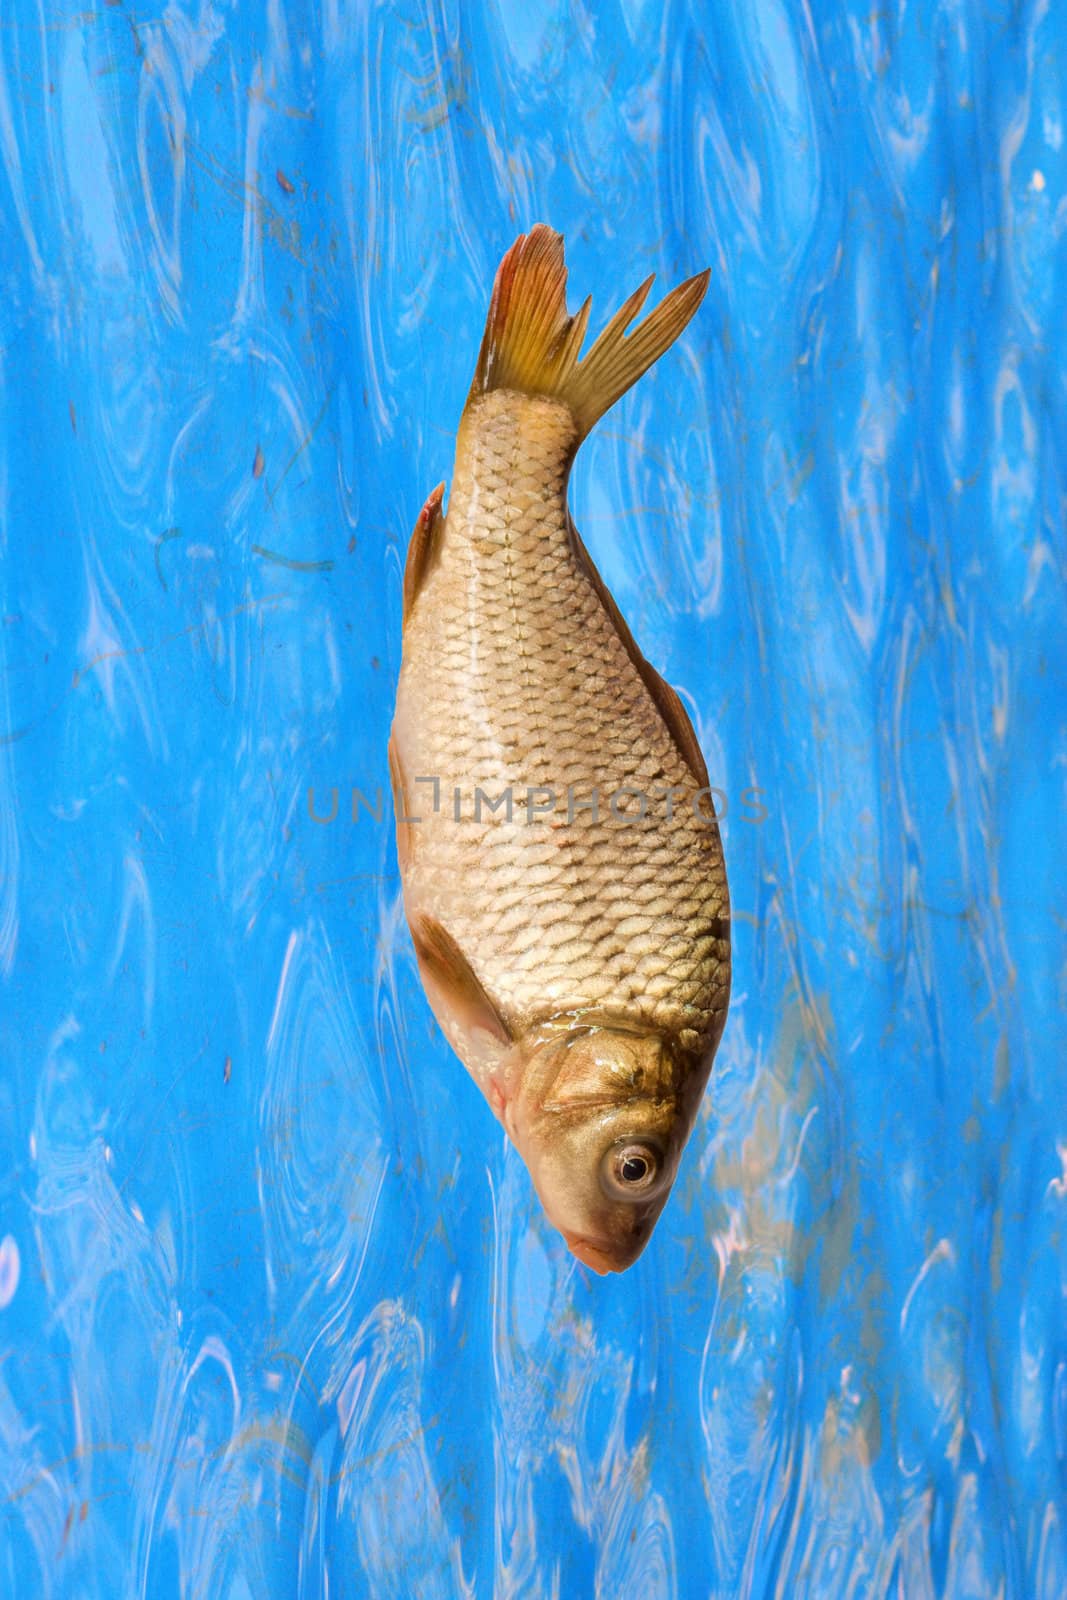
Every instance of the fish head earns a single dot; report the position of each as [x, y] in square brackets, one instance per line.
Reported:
[600, 1115]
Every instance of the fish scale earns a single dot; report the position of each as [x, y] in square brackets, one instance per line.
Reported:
[499, 669]
[577, 959]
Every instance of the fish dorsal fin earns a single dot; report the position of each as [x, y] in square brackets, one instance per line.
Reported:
[451, 981]
[667, 702]
[531, 345]
[422, 548]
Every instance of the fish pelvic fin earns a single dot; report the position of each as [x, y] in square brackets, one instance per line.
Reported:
[531, 345]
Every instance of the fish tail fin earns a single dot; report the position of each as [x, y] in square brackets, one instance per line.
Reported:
[618, 359]
[531, 345]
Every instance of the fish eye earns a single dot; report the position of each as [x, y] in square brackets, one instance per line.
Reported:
[630, 1170]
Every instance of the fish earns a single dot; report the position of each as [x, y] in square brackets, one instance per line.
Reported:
[561, 864]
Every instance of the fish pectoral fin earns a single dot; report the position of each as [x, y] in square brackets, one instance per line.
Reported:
[451, 982]
[666, 699]
[422, 548]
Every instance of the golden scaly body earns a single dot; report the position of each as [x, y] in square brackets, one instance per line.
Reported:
[577, 960]
[516, 677]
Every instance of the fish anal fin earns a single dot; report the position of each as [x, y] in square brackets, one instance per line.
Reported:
[422, 548]
[666, 699]
[451, 982]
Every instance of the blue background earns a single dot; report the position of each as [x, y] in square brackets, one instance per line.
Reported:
[279, 1313]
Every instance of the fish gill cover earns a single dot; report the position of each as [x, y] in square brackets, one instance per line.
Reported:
[279, 1313]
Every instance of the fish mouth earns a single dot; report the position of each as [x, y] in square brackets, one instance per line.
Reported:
[591, 1255]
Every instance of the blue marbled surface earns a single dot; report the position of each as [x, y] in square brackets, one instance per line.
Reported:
[279, 1313]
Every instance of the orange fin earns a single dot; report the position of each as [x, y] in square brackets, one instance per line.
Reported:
[450, 980]
[667, 702]
[422, 548]
[531, 344]
[403, 826]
